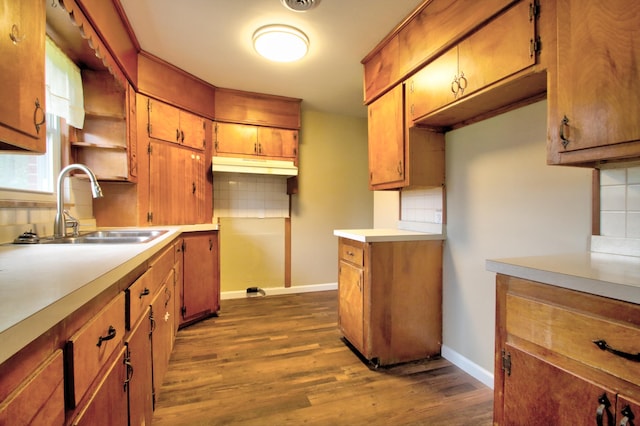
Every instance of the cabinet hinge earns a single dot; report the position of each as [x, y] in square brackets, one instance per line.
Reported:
[149, 129]
[534, 10]
[535, 45]
[149, 149]
[149, 105]
[506, 362]
[183, 311]
[149, 217]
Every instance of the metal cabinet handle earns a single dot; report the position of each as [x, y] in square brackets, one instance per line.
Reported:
[602, 344]
[14, 35]
[182, 136]
[127, 362]
[110, 335]
[628, 418]
[563, 137]
[144, 292]
[602, 410]
[38, 122]
[455, 86]
[462, 83]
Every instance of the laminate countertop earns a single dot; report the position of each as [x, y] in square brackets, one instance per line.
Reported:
[609, 275]
[386, 235]
[41, 284]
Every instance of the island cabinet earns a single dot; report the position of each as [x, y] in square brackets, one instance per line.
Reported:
[451, 88]
[401, 155]
[244, 140]
[200, 292]
[22, 113]
[564, 357]
[390, 299]
[594, 97]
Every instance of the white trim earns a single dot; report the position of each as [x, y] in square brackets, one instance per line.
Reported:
[466, 365]
[273, 291]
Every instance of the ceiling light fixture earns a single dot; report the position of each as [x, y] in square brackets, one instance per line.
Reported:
[280, 43]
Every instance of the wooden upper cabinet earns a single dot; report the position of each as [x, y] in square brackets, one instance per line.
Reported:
[278, 142]
[231, 138]
[595, 113]
[245, 140]
[386, 140]
[432, 28]
[236, 106]
[496, 51]
[22, 110]
[400, 154]
[172, 124]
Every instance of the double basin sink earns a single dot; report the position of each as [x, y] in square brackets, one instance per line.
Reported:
[115, 236]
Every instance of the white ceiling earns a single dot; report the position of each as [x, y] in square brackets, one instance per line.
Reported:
[211, 39]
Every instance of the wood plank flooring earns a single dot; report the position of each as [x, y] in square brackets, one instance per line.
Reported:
[280, 360]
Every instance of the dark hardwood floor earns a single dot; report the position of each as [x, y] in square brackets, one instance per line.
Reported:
[280, 360]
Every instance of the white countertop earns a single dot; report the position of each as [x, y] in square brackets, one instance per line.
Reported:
[385, 235]
[41, 284]
[609, 275]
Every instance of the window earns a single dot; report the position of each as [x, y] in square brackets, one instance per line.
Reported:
[33, 173]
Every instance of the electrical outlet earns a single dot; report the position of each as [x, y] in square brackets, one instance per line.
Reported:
[437, 217]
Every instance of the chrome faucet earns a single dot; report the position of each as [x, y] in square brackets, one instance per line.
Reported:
[60, 223]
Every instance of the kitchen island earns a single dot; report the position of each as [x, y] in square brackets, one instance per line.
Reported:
[390, 293]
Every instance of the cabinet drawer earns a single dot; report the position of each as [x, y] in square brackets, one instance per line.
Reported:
[139, 296]
[573, 330]
[88, 350]
[351, 251]
[161, 265]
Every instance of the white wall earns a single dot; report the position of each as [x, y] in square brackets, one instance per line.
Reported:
[502, 201]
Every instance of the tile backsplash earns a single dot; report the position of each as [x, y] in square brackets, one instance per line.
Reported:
[421, 205]
[250, 195]
[620, 202]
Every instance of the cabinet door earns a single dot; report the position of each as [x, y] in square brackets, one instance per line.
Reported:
[432, 86]
[163, 190]
[200, 293]
[140, 385]
[539, 393]
[350, 304]
[161, 332]
[22, 24]
[236, 139]
[598, 79]
[627, 412]
[386, 140]
[274, 142]
[194, 192]
[498, 50]
[108, 404]
[164, 121]
[192, 130]
[40, 399]
[178, 277]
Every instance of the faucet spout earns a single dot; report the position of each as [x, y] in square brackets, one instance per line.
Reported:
[59, 225]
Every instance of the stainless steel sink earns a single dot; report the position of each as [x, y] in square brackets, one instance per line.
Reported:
[115, 236]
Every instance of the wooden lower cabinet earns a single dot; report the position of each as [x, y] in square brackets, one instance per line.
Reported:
[200, 293]
[390, 299]
[549, 369]
[108, 404]
[40, 398]
[140, 387]
[161, 334]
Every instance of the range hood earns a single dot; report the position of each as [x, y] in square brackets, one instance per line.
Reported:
[254, 166]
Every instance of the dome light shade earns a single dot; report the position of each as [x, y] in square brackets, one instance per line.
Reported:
[280, 43]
